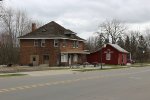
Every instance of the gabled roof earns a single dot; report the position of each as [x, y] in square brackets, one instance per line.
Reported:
[51, 30]
[117, 47]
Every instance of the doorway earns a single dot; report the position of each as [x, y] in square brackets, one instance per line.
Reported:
[45, 59]
[70, 59]
[34, 59]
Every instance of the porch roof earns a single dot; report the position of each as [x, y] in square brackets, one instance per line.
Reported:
[75, 52]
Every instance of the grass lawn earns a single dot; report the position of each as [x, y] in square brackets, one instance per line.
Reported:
[11, 75]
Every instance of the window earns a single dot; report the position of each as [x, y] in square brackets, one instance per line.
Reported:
[75, 58]
[36, 43]
[108, 56]
[64, 57]
[43, 43]
[75, 44]
[64, 43]
[56, 43]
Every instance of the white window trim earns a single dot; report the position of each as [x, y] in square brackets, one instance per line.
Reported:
[77, 44]
[64, 57]
[43, 43]
[74, 44]
[56, 42]
[108, 56]
[36, 42]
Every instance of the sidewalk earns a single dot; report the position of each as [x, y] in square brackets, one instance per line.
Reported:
[48, 72]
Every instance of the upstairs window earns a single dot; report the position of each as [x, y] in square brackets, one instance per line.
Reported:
[64, 43]
[36, 43]
[75, 44]
[43, 43]
[56, 43]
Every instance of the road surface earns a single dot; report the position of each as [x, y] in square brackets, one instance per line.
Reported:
[117, 84]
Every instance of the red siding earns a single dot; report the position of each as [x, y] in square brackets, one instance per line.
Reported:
[116, 56]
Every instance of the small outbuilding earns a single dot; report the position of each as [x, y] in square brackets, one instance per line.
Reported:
[110, 54]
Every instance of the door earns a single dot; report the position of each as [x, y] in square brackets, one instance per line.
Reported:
[34, 59]
[45, 59]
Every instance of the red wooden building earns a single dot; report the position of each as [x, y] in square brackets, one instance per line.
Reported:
[110, 54]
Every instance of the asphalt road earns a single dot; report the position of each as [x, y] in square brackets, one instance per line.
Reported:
[118, 84]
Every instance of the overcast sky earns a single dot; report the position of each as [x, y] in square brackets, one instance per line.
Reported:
[84, 16]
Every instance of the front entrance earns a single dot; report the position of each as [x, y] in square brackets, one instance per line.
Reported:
[34, 59]
[70, 59]
[45, 59]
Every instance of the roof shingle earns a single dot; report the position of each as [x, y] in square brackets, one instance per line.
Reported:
[51, 30]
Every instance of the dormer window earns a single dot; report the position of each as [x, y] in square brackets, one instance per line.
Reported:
[44, 30]
[36, 43]
[56, 43]
[43, 43]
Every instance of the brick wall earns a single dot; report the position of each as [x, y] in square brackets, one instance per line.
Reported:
[69, 46]
[27, 49]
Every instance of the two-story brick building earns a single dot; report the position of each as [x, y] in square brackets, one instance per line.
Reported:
[51, 44]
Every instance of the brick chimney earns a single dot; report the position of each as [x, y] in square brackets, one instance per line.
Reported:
[33, 27]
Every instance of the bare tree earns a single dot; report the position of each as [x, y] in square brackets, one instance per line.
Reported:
[92, 43]
[14, 23]
[147, 36]
[112, 29]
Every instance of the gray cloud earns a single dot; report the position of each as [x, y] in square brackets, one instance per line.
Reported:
[84, 16]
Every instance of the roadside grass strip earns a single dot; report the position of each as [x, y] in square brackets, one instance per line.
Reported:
[11, 75]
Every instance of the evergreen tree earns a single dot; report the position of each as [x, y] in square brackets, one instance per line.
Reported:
[127, 44]
[133, 47]
[120, 42]
[142, 49]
